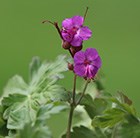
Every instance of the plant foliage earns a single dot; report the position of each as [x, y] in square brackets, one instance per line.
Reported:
[26, 107]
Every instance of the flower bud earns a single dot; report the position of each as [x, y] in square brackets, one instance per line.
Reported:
[65, 44]
[70, 66]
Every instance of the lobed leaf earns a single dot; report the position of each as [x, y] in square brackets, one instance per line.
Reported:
[22, 102]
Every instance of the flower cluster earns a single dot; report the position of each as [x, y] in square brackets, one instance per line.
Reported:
[74, 32]
[86, 64]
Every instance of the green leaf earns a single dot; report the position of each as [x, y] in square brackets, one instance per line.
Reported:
[36, 131]
[110, 118]
[95, 106]
[47, 110]
[15, 85]
[3, 130]
[13, 98]
[19, 108]
[22, 101]
[100, 133]
[123, 102]
[81, 132]
[47, 76]
[130, 131]
[53, 94]
[49, 73]
[39, 128]
[120, 111]
[129, 109]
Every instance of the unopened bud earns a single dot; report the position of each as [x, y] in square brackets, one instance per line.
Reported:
[70, 66]
[65, 44]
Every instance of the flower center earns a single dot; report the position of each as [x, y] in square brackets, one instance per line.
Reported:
[74, 30]
[87, 62]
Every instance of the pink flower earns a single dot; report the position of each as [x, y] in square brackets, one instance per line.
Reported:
[87, 64]
[74, 32]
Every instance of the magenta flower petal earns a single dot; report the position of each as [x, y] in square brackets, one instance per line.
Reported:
[93, 71]
[91, 54]
[79, 57]
[80, 70]
[66, 36]
[67, 23]
[87, 64]
[77, 21]
[90, 71]
[97, 62]
[84, 32]
[77, 41]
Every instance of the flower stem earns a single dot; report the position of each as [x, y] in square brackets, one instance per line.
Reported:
[70, 121]
[83, 93]
[74, 88]
[85, 13]
[71, 53]
[72, 107]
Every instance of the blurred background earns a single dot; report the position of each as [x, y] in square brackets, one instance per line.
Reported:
[116, 35]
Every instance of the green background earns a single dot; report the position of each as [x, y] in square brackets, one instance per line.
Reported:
[116, 35]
